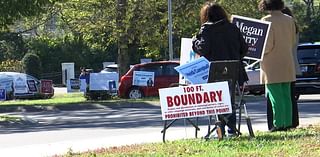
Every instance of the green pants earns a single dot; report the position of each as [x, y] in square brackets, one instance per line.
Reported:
[279, 94]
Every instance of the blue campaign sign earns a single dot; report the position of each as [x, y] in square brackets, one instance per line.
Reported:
[2, 94]
[196, 71]
[255, 32]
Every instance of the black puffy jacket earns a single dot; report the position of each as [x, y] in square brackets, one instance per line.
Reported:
[221, 40]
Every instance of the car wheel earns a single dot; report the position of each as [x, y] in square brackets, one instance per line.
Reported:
[135, 93]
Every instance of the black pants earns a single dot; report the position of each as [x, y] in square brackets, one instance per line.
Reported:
[295, 112]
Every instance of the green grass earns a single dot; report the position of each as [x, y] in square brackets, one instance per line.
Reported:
[9, 118]
[70, 98]
[78, 98]
[55, 100]
[299, 142]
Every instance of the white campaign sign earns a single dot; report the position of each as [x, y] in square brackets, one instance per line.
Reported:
[143, 78]
[101, 81]
[186, 55]
[20, 84]
[195, 100]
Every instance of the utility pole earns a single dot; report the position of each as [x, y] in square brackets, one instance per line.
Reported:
[170, 30]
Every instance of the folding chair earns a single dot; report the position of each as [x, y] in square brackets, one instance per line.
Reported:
[228, 70]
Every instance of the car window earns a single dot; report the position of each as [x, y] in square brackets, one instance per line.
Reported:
[308, 55]
[170, 71]
[156, 68]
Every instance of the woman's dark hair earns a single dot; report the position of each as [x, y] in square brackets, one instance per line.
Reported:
[212, 12]
[268, 5]
[287, 11]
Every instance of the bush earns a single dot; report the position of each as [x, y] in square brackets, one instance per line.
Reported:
[31, 64]
[11, 65]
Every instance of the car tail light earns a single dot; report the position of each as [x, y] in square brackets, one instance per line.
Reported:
[122, 78]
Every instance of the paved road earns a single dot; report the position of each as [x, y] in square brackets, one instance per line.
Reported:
[57, 131]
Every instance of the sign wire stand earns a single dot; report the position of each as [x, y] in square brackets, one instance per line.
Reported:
[228, 71]
[168, 123]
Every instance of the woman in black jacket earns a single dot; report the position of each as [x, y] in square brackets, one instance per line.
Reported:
[217, 40]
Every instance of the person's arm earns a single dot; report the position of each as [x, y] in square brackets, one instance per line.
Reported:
[201, 42]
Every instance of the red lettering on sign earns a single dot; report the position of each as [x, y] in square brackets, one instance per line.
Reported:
[169, 101]
[219, 93]
[176, 100]
[206, 97]
[213, 96]
[191, 99]
[184, 99]
[194, 98]
[198, 98]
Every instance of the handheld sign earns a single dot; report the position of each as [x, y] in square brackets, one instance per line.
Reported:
[195, 100]
[255, 32]
[196, 71]
[186, 55]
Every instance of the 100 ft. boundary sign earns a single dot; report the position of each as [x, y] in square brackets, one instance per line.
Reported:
[195, 101]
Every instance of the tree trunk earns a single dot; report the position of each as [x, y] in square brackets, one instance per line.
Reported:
[123, 59]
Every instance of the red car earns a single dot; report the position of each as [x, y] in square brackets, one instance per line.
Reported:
[164, 76]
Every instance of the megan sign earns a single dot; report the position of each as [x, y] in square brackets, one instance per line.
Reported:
[195, 100]
[255, 33]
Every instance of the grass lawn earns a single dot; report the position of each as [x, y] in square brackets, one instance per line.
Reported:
[78, 98]
[65, 99]
[57, 99]
[304, 142]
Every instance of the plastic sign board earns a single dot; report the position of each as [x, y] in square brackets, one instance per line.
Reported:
[196, 71]
[46, 86]
[255, 32]
[20, 85]
[101, 81]
[186, 55]
[67, 72]
[32, 86]
[195, 100]
[73, 85]
[143, 78]
[2, 94]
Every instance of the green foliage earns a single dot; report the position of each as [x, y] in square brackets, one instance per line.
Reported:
[11, 10]
[11, 65]
[32, 65]
[11, 46]
[86, 32]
